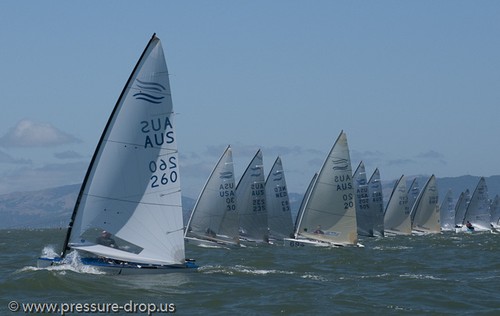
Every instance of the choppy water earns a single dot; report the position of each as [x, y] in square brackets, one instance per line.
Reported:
[417, 275]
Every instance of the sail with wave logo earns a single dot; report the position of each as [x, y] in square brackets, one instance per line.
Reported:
[397, 219]
[214, 219]
[329, 215]
[364, 217]
[426, 209]
[128, 214]
[279, 214]
[251, 202]
[376, 200]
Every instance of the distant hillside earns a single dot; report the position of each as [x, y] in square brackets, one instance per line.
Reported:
[53, 207]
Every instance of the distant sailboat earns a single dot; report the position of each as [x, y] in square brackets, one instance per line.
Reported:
[376, 201]
[214, 220]
[460, 208]
[132, 188]
[251, 202]
[278, 203]
[426, 209]
[447, 212]
[495, 212]
[397, 219]
[329, 215]
[478, 210]
[364, 216]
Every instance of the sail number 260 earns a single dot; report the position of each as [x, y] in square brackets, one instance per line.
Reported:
[164, 172]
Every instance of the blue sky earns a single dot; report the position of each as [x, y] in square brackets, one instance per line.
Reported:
[414, 84]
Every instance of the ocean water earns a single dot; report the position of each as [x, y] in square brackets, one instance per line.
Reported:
[444, 274]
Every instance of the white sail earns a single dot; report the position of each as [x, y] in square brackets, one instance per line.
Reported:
[397, 212]
[495, 212]
[132, 187]
[302, 207]
[278, 203]
[426, 208]
[251, 202]
[478, 210]
[214, 217]
[329, 213]
[364, 218]
[376, 200]
[447, 212]
[461, 207]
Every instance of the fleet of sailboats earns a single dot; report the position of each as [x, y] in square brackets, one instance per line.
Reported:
[128, 215]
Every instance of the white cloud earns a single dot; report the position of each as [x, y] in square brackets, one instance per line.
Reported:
[29, 133]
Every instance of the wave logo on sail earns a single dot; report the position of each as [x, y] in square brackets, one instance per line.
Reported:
[256, 171]
[340, 164]
[150, 92]
[277, 175]
[361, 181]
[226, 175]
[432, 188]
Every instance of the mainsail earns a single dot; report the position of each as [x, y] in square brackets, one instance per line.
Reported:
[214, 217]
[376, 201]
[426, 209]
[364, 216]
[329, 213]
[397, 212]
[278, 203]
[251, 202]
[447, 212]
[132, 187]
[478, 210]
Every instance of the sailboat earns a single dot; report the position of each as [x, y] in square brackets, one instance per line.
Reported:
[447, 212]
[478, 210]
[132, 187]
[364, 216]
[279, 214]
[495, 213]
[376, 201]
[251, 202]
[426, 209]
[397, 219]
[328, 218]
[214, 219]
[460, 209]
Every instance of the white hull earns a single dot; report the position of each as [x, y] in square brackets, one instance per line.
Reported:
[301, 242]
[204, 243]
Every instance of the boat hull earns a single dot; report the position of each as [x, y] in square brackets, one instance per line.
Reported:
[122, 268]
[210, 243]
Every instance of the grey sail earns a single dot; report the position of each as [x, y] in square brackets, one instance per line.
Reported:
[251, 202]
[364, 216]
[447, 212]
[461, 207]
[397, 212]
[278, 203]
[413, 193]
[495, 212]
[214, 219]
[376, 201]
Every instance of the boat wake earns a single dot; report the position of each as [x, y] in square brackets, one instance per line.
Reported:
[71, 262]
